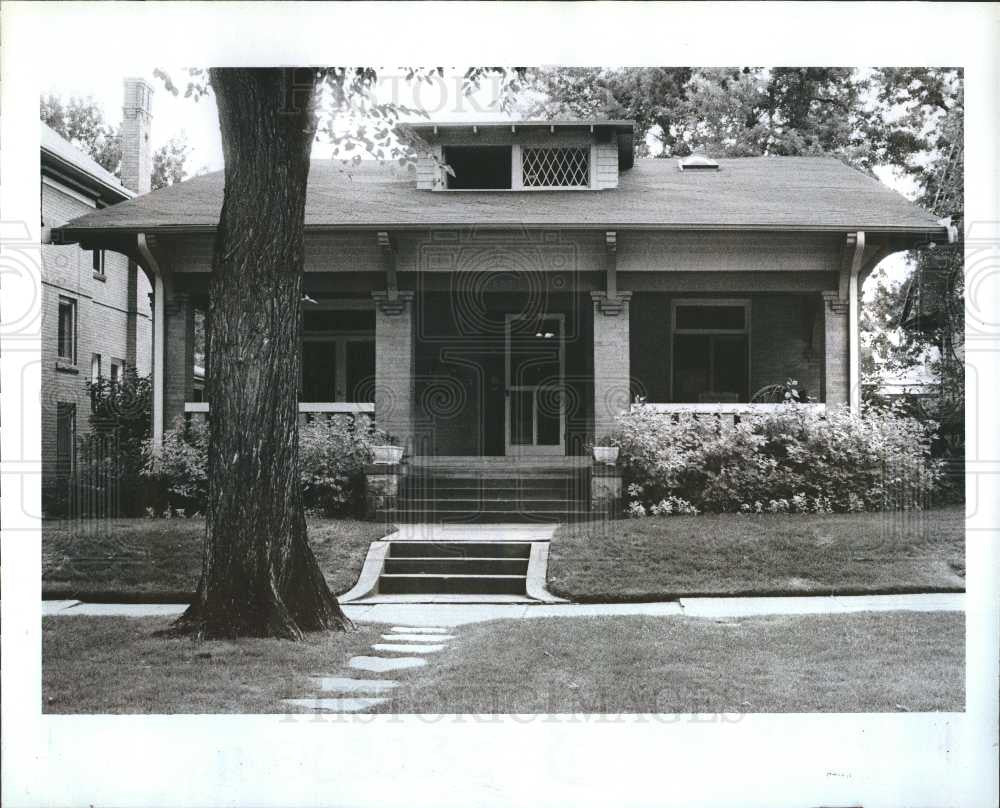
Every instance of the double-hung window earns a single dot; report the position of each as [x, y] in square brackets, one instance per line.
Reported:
[710, 350]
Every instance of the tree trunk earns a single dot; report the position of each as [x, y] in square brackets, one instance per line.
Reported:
[259, 575]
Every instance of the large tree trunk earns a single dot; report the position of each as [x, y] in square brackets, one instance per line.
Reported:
[259, 576]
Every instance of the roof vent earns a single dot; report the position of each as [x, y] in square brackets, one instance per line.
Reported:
[697, 162]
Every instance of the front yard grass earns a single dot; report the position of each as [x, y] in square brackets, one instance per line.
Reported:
[729, 554]
[147, 558]
[865, 662]
[116, 665]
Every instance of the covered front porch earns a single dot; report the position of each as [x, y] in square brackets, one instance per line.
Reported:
[514, 376]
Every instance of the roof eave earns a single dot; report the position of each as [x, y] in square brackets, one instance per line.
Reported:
[915, 233]
[60, 163]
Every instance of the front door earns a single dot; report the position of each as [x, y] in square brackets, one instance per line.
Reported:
[535, 404]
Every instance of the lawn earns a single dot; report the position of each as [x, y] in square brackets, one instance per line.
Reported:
[149, 558]
[116, 665]
[729, 554]
[866, 662]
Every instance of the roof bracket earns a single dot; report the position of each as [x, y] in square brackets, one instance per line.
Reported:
[611, 302]
[388, 252]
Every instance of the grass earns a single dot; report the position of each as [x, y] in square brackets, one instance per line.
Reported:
[116, 665]
[866, 662]
[146, 558]
[728, 554]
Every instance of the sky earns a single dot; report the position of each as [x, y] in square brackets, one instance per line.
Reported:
[198, 120]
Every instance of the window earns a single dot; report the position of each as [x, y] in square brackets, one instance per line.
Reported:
[710, 351]
[97, 256]
[117, 370]
[478, 167]
[95, 367]
[555, 167]
[67, 329]
[338, 356]
[65, 438]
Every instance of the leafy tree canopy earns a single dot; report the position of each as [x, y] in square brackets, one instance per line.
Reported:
[81, 121]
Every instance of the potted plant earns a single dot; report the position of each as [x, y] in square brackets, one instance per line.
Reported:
[387, 454]
[608, 455]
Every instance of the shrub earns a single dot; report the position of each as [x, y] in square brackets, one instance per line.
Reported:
[333, 453]
[794, 460]
[332, 456]
[181, 469]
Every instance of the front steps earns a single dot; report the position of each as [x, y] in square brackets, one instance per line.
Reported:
[492, 493]
[455, 568]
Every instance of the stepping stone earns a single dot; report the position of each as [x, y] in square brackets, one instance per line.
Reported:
[334, 705]
[377, 664]
[419, 630]
[408, 648]
[344, 684]
[418, 637]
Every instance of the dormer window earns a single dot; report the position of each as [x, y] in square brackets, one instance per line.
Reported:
[478, 168]
[569, 155]
[555, 167]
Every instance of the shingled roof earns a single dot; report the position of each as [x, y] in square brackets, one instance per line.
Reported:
[59, 154]
[762, 193]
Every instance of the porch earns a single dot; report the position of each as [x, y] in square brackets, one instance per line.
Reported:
[511, 378]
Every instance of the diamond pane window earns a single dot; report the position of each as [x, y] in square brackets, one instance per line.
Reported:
[555, 167]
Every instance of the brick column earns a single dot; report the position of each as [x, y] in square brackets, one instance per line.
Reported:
[394, 365]
[178, 365]
[611, 359]
[836, 342]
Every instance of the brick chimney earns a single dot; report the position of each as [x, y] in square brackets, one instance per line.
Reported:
[137, 121]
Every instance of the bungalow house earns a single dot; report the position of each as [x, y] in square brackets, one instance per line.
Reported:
[496, 315]
[96, 318]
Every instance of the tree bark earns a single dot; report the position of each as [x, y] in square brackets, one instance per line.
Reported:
[259, 575]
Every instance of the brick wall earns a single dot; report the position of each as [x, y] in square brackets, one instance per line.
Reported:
[837, 385]
[102, 319]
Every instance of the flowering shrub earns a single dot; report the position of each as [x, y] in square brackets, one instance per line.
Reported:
[795, 460]
[332, 456]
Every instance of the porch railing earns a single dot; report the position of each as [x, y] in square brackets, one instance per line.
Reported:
[726, 413]
[307, 411]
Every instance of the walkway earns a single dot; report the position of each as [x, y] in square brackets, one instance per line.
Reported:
[456, 614]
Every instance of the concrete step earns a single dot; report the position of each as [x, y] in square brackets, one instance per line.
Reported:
[476, 505]
[419, 584]
[501, 490]
[478, 566]
[479, 517]
[459, 549]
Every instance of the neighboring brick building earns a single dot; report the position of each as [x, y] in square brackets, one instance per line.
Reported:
[96, 317]
[483, 313]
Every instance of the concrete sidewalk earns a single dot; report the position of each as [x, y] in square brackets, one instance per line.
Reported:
[456, 614]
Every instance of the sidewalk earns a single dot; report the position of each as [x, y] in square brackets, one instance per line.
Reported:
[455, 614]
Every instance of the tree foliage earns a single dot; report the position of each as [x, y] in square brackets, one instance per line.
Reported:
[81, 121]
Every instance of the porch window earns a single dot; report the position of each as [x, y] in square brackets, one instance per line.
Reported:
[338, 357]
[710, 351]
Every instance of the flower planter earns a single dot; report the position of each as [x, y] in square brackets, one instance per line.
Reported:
[608, 455]
[387, 455]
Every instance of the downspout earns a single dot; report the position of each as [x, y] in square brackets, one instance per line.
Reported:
[159, 353]
[854, 324]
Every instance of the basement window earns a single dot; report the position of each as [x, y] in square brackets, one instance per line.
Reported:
[478, 168]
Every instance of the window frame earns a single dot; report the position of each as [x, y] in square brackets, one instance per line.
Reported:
[72, 304]
[97, 261]
[339, 340]
[587, 150]
[66, 412]
[707, 302]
